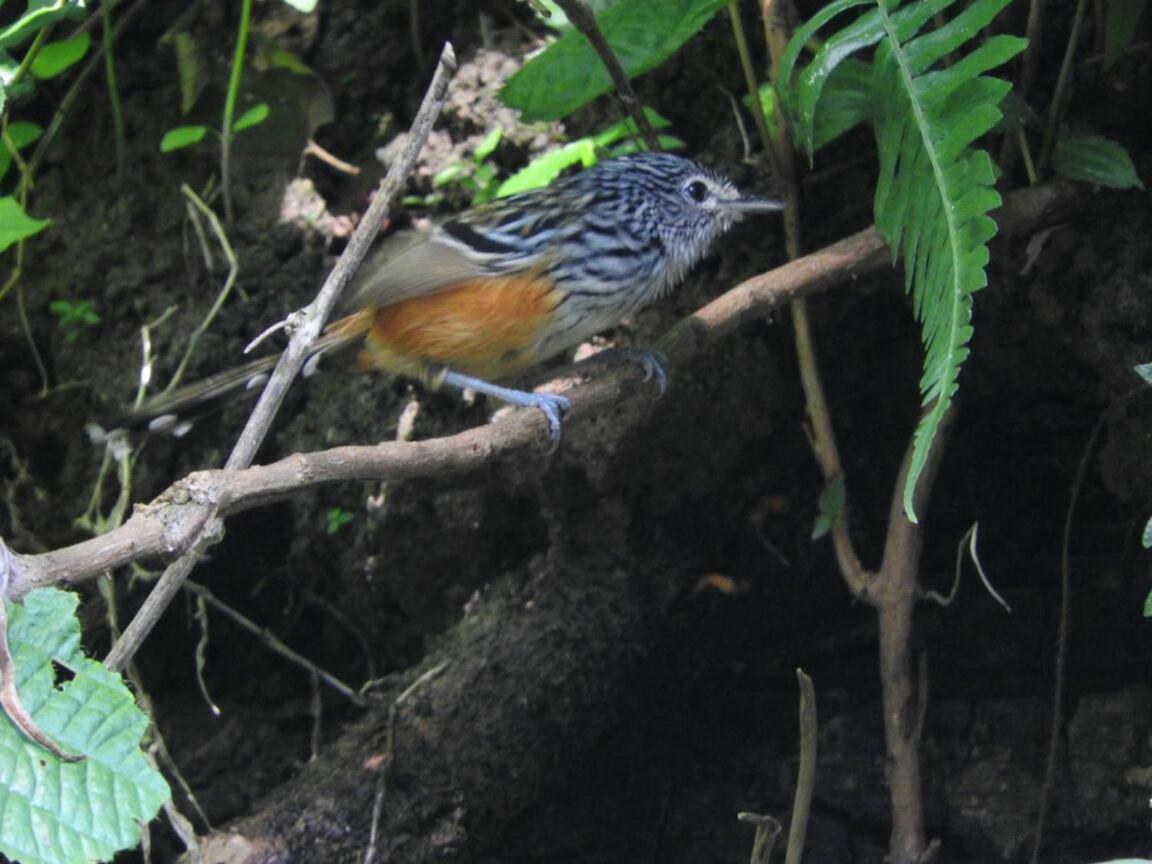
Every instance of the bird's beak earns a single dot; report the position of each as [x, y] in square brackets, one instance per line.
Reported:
[752, 204]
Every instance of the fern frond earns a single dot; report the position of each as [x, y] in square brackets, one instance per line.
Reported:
[934, 190]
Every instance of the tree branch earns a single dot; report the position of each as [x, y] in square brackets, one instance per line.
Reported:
[171, 524]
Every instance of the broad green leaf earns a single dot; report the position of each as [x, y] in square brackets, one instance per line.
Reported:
[58, 813]
[569, 74]
[254, 116]
[182, 136]
[488, 146]
[21, 133]
[15, 224]
[1144, 370]
[1121, 21]
[56, 57]
[1095, 160]
[934, 192]
[39, 14]
[304, 6]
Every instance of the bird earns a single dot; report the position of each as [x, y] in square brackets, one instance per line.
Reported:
[505, 285]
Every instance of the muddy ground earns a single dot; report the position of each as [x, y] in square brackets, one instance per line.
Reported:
[604, 702]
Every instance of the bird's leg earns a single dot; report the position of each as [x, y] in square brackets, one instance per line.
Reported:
[553, 407]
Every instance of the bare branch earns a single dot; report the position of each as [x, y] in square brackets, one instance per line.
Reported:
[170, 525]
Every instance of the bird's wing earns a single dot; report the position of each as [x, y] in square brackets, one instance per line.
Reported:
[413, 264]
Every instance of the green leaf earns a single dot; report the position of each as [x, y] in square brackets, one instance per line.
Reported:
[15, 224]
[1144, 370]
[934, 191]
[1121, 21]
[831, 505]
[56, 57]
[569, 74]
[1148, 604]
[1146, 537]
[636, 145]
[1094, 159]
[182, 136]
[21, 133]
[488, 146]
[626, 128]
[544, 169]
[189, 69]
[58, 813]
[254, 116]
[304, 6]
[845, 104]
[39, 14]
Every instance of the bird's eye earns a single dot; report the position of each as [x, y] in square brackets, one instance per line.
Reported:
[697, 190]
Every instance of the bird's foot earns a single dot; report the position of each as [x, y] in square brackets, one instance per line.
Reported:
[648, 359]
[552, 406]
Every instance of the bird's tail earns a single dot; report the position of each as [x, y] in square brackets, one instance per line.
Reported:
[172, 411]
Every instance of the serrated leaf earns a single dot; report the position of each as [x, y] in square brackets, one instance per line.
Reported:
[58, 813]
[1094, 159]
[569, 74]
[182, 136]
[15, 224]
[56, 57]
[39, 14]
[254, 116]
[934, 191]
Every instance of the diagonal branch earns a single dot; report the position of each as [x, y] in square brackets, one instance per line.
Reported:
[582, 19]
[172, 524]
[309, 324]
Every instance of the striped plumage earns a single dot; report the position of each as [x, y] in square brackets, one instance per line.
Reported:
[508, 284]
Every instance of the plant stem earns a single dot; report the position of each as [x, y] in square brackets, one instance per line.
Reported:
[230, 106]
[106, 37]
[1056, 109]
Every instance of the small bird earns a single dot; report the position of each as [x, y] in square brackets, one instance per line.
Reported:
[509, 284]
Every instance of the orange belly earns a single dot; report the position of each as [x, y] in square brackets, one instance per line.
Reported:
[486, 327]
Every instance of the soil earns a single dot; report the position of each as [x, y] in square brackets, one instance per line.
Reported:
[621, 630]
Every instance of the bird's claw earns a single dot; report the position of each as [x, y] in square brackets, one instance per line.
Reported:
[648, 359]
[554, 409]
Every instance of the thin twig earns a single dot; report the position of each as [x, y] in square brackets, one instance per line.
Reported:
[806, 773]
[1065, 624]
[390, 756]
[225, 289]
[272, 643]
[580, 14]
[292, 360]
